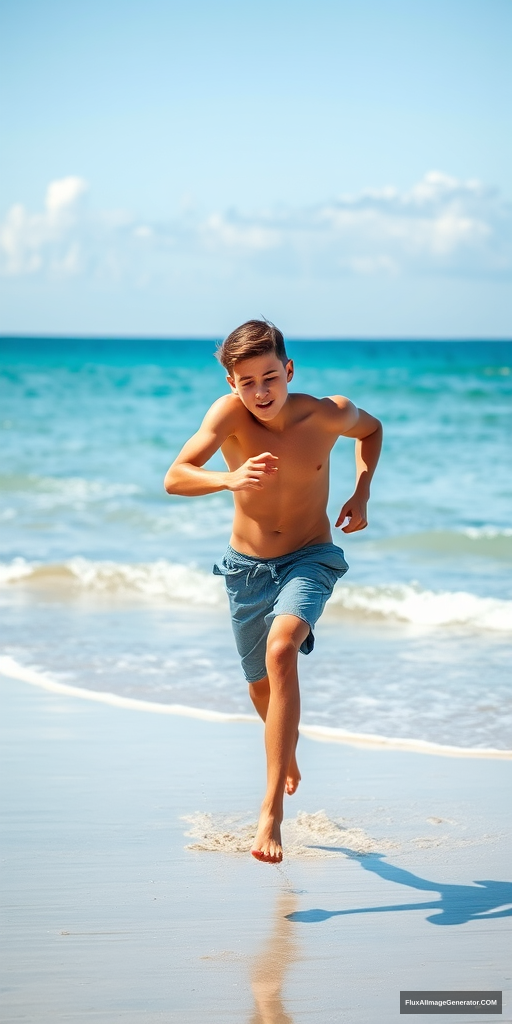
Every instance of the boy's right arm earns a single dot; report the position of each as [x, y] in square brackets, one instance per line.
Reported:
[187, 476]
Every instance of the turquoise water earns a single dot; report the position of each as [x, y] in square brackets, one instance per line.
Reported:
[105, 580]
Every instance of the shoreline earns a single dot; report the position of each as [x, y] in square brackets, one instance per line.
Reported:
[111, 915]
[10, 669]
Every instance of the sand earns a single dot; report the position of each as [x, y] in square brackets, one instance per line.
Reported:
[129, 895]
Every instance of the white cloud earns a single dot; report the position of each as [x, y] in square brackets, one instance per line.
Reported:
[50, 241]
[441, 225]
[63, 194]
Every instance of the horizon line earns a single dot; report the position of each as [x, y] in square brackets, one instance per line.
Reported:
[56, 336]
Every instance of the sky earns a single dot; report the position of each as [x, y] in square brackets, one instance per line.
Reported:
[172, 169]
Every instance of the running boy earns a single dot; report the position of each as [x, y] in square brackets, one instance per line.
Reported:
[281, 565]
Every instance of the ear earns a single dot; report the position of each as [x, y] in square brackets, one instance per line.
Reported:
[232, 385]
[289, 370]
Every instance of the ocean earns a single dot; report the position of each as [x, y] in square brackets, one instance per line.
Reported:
[106, 583]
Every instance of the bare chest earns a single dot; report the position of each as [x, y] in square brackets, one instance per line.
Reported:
[303, 450]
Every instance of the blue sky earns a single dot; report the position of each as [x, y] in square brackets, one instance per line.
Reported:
[342, 168]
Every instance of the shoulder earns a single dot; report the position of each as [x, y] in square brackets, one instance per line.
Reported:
[338, 413]
[324, 406]
[335, 414]
[305, 405]
[225, 411]
[345, 418]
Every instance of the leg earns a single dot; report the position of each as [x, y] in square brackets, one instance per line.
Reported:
[260, 695]
[281, 726]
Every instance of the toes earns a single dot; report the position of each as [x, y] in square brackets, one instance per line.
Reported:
[273, 856]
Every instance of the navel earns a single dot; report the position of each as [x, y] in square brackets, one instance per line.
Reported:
[319, 467]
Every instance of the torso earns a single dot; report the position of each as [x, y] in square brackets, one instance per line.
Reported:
[290, 511]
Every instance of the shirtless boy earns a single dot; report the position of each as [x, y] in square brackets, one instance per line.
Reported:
[281, 565]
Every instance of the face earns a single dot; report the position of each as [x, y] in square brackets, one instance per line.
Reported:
[262, 384]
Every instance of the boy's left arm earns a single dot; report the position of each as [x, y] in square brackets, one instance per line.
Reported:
[367, 431]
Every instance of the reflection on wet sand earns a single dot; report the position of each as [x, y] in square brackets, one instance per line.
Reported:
[269, 967]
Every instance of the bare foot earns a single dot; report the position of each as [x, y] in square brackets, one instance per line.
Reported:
[293, 777]
[267, 845]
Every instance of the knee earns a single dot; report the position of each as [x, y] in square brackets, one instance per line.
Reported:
[281, 651]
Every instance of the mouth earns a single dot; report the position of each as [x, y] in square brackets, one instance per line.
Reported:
[265, 405]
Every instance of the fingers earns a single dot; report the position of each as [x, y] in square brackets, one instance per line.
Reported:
[254, 470]
[355, 511]
[354, 525]
[261, 467]
[346, 513]
[342, 523]
[258, 464]
[252, 475]
[356, 521]
[263, 461]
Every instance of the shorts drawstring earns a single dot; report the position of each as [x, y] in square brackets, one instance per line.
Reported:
[298, 584]
[253, 571]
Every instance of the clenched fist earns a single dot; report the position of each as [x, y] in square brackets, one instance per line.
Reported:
[253, 472]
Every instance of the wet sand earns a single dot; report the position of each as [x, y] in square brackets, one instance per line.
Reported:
[108, 916]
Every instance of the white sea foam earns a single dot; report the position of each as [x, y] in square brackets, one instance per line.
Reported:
[307, 835]
[410, 603]
[172, 581]
[476, 532]
[12, 669]
[328, 734]
[311, 835]
[18, 569]
[188, 585]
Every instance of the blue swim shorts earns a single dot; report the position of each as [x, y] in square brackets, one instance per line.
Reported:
[298, 584]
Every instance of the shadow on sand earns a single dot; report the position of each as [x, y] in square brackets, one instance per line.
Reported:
[457, 904]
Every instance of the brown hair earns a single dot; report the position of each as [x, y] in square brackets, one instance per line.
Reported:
[254, 338]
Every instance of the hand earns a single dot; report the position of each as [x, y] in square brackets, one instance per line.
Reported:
[355, 509]
[251, 475]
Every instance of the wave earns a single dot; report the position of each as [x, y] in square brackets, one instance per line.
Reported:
[12, 669]
[480, 541]
[190, 586]
[172, 581]
[128, 501]
[65, 489]
[410, 603]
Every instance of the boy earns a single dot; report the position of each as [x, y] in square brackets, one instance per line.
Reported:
[281, 565]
